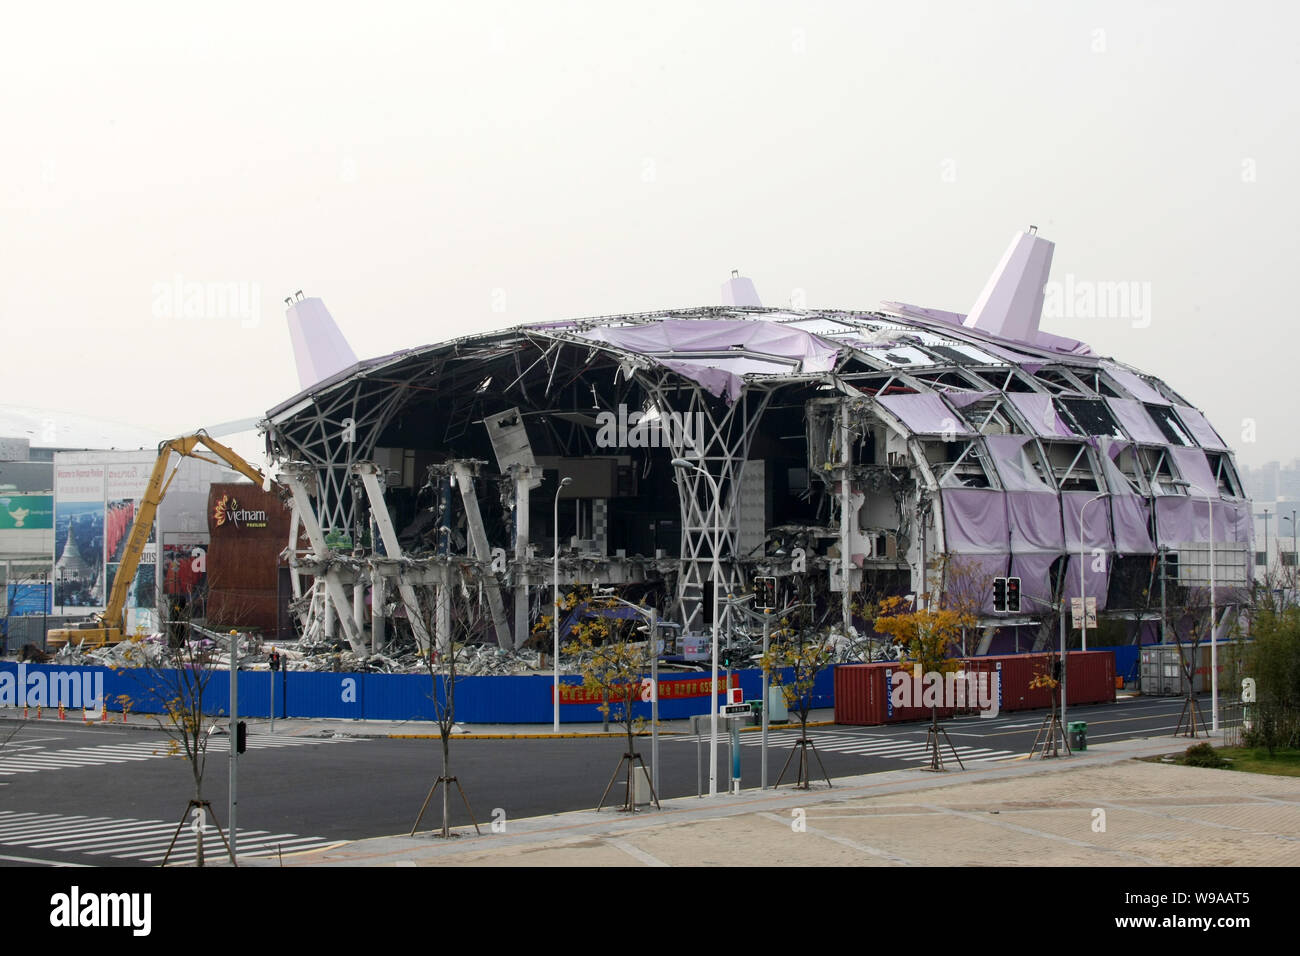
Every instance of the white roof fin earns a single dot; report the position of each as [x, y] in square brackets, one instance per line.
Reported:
[319, 347]
[1011, 304]
[739, 291]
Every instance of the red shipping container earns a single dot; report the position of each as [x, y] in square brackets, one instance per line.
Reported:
[862, 691]
[863, 696]
[858, 696]
[1091, 678]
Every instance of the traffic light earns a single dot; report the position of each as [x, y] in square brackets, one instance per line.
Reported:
[1171, 565]
[765, 593]
[275, 659]
[999, 594]
[1013, 594]
[241, 737]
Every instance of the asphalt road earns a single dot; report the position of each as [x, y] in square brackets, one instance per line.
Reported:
[107, 796]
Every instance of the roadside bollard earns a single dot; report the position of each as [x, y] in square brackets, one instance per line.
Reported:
[62, 713]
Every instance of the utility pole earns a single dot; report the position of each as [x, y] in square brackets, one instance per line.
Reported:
[1164, 575]
[653, 621]
[767, 634]
[1266, 517]
[1065, 655]
[234, 741]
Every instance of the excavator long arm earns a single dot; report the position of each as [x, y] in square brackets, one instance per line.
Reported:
[159, 481]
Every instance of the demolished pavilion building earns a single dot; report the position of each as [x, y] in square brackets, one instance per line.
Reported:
[849, 454]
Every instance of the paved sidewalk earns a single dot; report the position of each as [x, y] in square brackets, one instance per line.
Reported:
[1102, 808]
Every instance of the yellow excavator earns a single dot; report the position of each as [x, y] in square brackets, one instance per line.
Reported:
[107, 628]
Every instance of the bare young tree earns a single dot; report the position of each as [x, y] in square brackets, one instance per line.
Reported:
[173, 672]
[470, 624]
[966, 586]
[796, 655]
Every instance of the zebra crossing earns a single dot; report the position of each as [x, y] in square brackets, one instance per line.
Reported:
[889, 748]
[17, 759]
[140, 842]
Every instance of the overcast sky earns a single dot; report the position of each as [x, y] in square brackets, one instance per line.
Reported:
[432, 170]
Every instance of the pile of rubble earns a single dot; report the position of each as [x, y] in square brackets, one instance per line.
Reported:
[480, 660]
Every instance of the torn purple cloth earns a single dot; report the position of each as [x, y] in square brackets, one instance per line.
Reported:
[716, 353]
[1201, 429]
[925, 413]
[975, 521]
[1134, 385]
[1096, 517]
[1132, 415]
[1034, 571]
[1040, 414]
[1095, 582]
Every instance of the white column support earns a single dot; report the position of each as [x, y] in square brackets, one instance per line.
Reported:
[369, 473]
[479, 541]
[846, 559]
[523, 483]
[337, 602]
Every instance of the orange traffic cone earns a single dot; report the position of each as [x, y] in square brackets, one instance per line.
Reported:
[62, 714]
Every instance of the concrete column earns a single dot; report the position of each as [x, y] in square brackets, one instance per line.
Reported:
[522, 482]
[378, 601]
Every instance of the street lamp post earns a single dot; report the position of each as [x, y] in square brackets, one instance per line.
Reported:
[1214, 644]
[1266, 517]
[1083, 594]
[684, 465]
[1294, 559]
[555, 584]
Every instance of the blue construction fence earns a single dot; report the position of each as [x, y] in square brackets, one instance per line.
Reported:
[1127, 660]
[479, 700]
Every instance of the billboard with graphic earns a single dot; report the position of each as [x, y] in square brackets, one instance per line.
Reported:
[19, 512]
[96, 499]
[79, 535]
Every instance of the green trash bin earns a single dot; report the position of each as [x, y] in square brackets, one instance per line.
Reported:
[1078, 735]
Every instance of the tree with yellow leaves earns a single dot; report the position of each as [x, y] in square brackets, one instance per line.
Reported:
[1050, 733]
[928, 640]
[612, 662]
